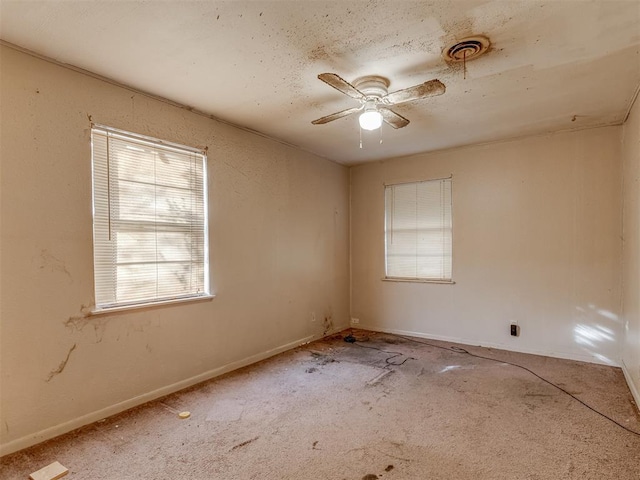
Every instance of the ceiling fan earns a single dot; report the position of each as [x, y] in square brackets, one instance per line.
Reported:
[371, 92]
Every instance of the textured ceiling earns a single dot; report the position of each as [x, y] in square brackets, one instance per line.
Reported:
[553, 65]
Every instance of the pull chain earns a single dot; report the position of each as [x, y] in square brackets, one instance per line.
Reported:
[464, 63]
[360, 128]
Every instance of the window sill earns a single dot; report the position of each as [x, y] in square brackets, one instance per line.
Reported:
[417, 280]
[141, 306]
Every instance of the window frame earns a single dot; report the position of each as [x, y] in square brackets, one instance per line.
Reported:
[97, 195]
[386, 277]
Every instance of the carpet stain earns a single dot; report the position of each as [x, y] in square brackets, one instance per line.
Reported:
[370, 476]
[321, 358]
[635, 409]
[245, 443]
[389, 468]
[378, 378]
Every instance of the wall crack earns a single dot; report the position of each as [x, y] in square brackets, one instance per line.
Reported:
[62, 365]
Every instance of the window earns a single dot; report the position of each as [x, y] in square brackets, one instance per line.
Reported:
[418, 231]
[149, 220]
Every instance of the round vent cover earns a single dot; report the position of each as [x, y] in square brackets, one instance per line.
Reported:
[466, 49]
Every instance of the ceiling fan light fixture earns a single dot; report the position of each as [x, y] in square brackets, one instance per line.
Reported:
[371, 119]
[371, 92]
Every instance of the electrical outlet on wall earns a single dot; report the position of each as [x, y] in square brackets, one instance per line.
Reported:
[355, 321]
[515, 329]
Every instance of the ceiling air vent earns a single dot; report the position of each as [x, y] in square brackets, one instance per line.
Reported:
[466, 49]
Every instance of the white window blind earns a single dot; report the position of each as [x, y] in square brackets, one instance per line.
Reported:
[149, 220]
[418, 230]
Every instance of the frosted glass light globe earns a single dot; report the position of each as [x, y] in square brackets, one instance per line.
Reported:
[370, 120]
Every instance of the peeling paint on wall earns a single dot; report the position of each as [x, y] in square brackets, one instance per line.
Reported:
[80, 321]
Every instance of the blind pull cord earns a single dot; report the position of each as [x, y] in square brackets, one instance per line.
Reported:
[109, 185]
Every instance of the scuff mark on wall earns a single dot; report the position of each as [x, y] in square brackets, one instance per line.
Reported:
[53, 263]
[99, 329]
[140, 326]
[62, 365]
[78, 322]
[328, 324]
[6, 426]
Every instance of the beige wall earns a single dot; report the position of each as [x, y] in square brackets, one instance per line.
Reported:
[279, 251]
[631, 250]
[536, 239]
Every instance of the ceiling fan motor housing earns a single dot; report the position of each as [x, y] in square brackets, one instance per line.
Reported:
[372, 86]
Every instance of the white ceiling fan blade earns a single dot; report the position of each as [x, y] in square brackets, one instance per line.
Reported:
[424, 90]
[341, 85]
[392, 118]
[337, 115]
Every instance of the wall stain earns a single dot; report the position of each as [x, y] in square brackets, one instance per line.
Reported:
[62, 365]
[53, 263]
[78, 322]
[328, 325]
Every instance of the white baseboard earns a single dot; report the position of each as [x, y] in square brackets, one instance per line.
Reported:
[632, 386]
[567, 356]
[51, 432]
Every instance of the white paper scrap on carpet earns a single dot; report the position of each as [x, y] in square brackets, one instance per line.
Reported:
[50, 472]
